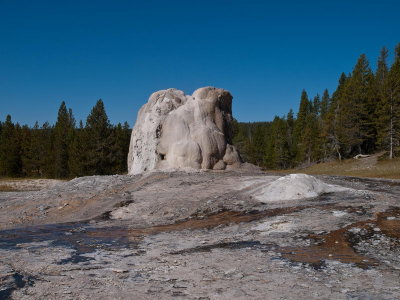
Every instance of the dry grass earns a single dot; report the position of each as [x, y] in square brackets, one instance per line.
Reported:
[7, 188]
[369, 167]
[8, 184]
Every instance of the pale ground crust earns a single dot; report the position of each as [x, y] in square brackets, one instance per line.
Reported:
[201, 235]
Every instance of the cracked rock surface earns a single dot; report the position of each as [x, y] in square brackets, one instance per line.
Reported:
[199, 235]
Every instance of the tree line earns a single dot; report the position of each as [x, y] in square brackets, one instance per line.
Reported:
[65, 149]
[362, 116]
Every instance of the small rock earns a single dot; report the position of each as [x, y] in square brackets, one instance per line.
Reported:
[355, 230]
[115, 270]
[62, 206]
[43, 208]
[338, 213]
[179, 286]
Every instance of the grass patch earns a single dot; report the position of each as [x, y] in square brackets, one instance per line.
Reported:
[352, 167]
[7, 188]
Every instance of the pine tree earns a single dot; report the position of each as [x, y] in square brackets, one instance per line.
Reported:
[356, 129]
[384, 115]
[77, 150]
[46, 150]
[32, 150]
[10, 149]
[304, 110]
[290, 136]
[39, 144]
[393, 104]
[316, 105]
[325, 104]
[121, 139]
[326, 125]
[334, 128]
[301, 134]
[27, 152]
[240, 138]
[281, 149]
[62, 130]
[98, 141]
[258, 145]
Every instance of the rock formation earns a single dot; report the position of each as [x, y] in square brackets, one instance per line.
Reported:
[294, 187]
[175, 131]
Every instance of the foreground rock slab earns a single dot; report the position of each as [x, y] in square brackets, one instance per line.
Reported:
[199, 235]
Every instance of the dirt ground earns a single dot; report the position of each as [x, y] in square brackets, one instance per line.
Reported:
[199, 235]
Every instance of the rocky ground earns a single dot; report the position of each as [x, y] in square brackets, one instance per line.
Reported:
[199, 235]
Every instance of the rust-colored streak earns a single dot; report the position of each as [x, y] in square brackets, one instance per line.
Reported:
[333, 246]
[389, 222]
[336, 245]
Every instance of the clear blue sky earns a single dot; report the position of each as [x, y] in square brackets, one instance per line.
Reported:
[264, 52]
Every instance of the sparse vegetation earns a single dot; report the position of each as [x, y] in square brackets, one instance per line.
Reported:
[7, 188]
[368, 167]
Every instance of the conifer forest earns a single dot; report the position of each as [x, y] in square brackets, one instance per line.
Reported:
[66, 149]
[362, 116]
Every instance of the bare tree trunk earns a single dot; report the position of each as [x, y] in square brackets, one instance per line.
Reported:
[338, 152]
[391, 128]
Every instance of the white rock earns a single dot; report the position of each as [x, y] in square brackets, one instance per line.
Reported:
[116, 270]
[293, 187]
[278, 224]
[177, 131]
[339, 213]
[355, 230]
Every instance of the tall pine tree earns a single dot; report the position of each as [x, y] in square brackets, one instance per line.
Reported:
[10, 149]
[393, 105]
[98, 141]
[61, 134]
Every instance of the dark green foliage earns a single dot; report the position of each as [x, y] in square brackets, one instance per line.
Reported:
[98, 137]
[362, 116]
[325, 104]
[266, 144]
[301, 122]
[394, 103]
[121, 137]
[10, 149]
[279, 155]
[382, 94]
[63, 150]
[77, 149]
[61, 139]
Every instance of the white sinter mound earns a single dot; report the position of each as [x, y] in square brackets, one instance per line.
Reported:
[178, 131]
[294, 187]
